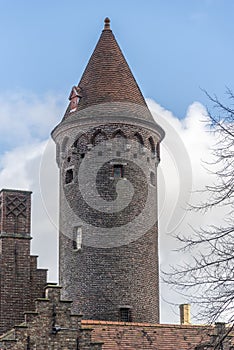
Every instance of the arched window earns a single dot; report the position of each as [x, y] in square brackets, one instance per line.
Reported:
[119, 133]
[81, 144]
[152, 145]
[139, 139]
[158, 150]
[121, 138]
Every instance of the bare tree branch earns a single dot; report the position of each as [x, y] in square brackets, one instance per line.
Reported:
[207, 279]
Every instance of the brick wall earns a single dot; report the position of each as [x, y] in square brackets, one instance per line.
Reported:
[116, 264]
[101, 279]
[20, 280]
[15, 213]
[51, 326]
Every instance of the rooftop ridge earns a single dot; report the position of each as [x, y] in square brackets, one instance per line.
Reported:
[144, 324]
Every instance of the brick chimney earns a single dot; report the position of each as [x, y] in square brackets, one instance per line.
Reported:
[21, 281]
[185, 314]
[15, 212]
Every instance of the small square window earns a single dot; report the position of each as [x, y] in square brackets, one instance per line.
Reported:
[125, 314]
[118, 171]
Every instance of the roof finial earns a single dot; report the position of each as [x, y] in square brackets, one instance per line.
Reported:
[107, 23]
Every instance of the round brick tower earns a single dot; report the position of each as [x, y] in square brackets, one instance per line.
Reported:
[108, 153]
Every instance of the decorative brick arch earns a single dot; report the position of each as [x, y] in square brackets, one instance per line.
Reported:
[139, 139]
[81, 143]
[98, 137]
[152, 144]
[119, 133]
[137, 136]
[121, 138]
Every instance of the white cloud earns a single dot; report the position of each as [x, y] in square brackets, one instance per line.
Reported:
[29, 163]
[21, 170]
[25, 117]
[26, 122]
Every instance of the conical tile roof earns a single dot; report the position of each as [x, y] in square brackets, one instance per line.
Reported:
[107, 91]
[107, 78]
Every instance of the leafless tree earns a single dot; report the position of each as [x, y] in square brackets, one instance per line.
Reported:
[208, 278]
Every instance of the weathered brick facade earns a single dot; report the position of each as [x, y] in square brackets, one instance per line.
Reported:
[20, 280]
[51, 326]
[108, 153]
[108, 135]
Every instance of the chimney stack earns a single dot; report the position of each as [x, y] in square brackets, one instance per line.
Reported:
[185, 314]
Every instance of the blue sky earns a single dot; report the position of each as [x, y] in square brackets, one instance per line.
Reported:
[174, 47]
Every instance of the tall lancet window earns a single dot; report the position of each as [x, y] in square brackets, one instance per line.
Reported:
[77, 238]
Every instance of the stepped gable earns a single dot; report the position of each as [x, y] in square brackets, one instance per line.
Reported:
[51, 326]
[106, 79]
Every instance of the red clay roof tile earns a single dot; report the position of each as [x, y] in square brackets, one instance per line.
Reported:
[107, 77]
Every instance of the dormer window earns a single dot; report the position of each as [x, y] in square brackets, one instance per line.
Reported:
[74, 97]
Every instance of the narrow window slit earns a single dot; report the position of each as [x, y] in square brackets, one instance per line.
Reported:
[77, 238]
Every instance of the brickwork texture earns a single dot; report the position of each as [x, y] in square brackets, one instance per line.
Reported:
[115, 266]
[20, 280]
